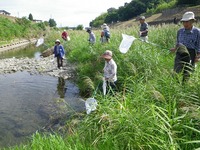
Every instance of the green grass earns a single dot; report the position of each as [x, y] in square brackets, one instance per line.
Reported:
[152, 110]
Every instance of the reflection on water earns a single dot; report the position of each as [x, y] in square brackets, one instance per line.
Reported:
[61, 87]
[21, 98]
[29, 51]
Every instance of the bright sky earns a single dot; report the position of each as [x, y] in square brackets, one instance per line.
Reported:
[64, 12]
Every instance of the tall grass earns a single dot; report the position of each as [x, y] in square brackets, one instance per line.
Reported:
[151, 110]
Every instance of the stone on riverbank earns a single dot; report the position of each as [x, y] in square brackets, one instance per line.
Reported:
[33, 66]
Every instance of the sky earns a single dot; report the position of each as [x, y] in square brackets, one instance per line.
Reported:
[65, 12]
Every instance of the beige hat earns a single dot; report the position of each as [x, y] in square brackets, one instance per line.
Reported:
[107, 54]
[188, 16]
[142, 18]
[57, 41]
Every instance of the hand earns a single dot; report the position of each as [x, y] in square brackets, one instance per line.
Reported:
[173, 50]
[197, 58]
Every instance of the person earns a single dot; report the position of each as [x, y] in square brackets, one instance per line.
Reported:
[143, 29]
[105, 33]
[64, 35]
[59, 53]
[187, 46]
[175, 20]
[92, 38]
[110, 70]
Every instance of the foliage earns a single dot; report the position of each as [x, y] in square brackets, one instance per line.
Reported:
[186, 2]
[30, 17]
[79, 27]
[151, 109]
[20, 28]
[138, 7]
[52, 23]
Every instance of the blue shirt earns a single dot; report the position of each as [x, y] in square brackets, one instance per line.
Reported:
[59, 51]
[189, 38]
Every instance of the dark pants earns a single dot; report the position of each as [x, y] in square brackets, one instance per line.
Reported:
[110, 88]
[59, 62]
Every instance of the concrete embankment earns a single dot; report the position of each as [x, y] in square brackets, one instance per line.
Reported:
[16, 45]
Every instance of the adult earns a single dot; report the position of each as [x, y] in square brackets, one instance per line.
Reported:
[59, 53]
[143, 29]
[105, 33]
[64, 35]
[92, 37]
[110, 70]
[188, 38]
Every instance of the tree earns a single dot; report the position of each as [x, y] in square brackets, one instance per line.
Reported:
[30, 17]
[188, 2]
[79, 27]
[52, 23]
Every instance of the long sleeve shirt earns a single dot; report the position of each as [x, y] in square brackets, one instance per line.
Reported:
[59, 51]
[110, 71]
[189, 38]
[92, 38]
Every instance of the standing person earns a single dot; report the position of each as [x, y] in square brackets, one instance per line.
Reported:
[143, 29]
[64, 35]
[59, 53]
[105, 33]
[92, 38]
[110, 70]
[187, 46]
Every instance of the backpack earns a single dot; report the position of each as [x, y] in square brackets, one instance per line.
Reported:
[106, 33]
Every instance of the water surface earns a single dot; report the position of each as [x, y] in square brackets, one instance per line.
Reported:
[25, 103]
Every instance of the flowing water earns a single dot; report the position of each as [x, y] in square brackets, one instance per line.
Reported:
[26, 100]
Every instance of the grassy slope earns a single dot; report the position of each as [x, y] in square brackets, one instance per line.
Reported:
[165, 16]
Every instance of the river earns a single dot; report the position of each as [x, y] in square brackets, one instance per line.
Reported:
[28, 101]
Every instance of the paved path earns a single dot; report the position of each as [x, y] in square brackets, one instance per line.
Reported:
[16, 45]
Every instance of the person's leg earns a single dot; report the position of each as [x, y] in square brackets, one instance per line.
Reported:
[58, 63]
[61, 62]
[111, 86]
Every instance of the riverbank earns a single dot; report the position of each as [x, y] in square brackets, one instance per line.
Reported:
[16, 44]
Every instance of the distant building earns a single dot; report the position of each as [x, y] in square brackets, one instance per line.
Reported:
[37, 21]
[3, 12]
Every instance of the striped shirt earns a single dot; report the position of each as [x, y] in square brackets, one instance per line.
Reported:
[189, 38]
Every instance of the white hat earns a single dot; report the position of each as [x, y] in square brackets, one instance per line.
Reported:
[188, 16]
[107, 54]
[142, 18]
[57, 41]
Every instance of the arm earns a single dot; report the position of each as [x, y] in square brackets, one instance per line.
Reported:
[198, 47]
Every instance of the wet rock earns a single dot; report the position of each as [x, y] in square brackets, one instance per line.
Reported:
[44, 65]
[47, 52]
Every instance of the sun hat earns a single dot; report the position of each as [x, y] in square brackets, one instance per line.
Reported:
[107, 54]
[104, 26]
[88, 30]
[142, 18]
[57, 41]
[188, 16]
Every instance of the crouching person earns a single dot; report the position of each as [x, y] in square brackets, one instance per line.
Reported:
[110, 73]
